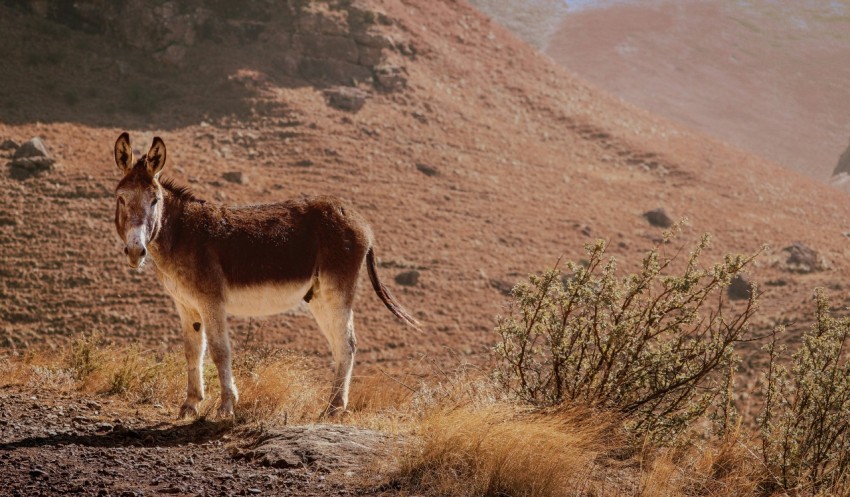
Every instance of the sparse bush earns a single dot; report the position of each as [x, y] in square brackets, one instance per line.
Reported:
[656, 347]
[85, 356]
[805, 422]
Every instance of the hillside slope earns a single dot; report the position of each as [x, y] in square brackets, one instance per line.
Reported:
[769, 77]
[531, 164]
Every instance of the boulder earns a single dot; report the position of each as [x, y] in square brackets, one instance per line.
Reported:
[408, 278]
[740, 288]
[804, 259]
[237, 177]
[346, 98]
[658, 218]
[843, 165]
[30, 159]
[330, 448]
[426, 169]
[390, 78]
[33, 148]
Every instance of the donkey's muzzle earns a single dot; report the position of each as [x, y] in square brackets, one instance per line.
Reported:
[135, 254]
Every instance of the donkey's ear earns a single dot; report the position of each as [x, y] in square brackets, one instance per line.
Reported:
[124, 153]
[155, 159]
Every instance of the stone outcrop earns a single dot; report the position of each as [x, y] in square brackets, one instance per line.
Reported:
[328, 448]
[804, 259]
[30, 159]
[658, 218]
[328, 42]
[843, 166]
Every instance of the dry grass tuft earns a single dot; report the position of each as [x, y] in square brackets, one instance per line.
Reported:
[726, 466]
[271, 385]
[275, 387]
[378, 392]
[501, 450]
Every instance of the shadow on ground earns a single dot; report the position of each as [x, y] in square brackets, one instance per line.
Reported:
[158, 435]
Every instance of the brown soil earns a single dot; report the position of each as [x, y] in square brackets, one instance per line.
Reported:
[66, 444]
[531, 164]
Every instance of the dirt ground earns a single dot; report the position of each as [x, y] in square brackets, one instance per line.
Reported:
[69, 444]
[491, 163]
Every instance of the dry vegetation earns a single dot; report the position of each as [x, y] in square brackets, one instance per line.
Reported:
[517, 429]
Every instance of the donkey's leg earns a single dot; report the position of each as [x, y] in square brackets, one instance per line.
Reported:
[193, 344]
[336, 320]
[218, 340]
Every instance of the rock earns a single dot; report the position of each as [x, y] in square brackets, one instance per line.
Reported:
[843, 165]
[740, 288]
[237, 177]
[303, 163]
[804, 259]
[504, 287]
[334, 448]
[30, 159]
[346, 98]
[658, 218]
[390, 78]
[8, 145]
[426, 169]
[21, 169]
[408, 278]
[373, 38]
[33, 148]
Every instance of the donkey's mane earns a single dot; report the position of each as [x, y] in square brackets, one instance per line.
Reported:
[179, 192]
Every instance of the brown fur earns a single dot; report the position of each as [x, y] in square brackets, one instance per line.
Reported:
[206, 254]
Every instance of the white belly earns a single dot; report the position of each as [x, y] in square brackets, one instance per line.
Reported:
[264, 300]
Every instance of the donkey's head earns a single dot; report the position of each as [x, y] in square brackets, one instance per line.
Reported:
[138, 209]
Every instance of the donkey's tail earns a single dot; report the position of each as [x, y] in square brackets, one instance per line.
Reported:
[385, 295]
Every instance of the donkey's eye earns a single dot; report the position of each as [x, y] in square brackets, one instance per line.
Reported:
[154, 201]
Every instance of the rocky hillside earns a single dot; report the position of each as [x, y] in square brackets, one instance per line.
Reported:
[476, 159]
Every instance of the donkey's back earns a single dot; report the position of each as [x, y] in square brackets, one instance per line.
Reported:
[286, 243]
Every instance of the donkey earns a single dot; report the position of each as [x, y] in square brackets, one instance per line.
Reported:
[250, 261]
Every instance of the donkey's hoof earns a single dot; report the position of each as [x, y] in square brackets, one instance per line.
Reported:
[188, 411]
[224, 413]
[225, 410]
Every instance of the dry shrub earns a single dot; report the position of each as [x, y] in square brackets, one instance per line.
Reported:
[656, 346]
[271, 385]
[274, 386]
[142, 377]
[35, 370]
[501, 450]
[805, 421]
